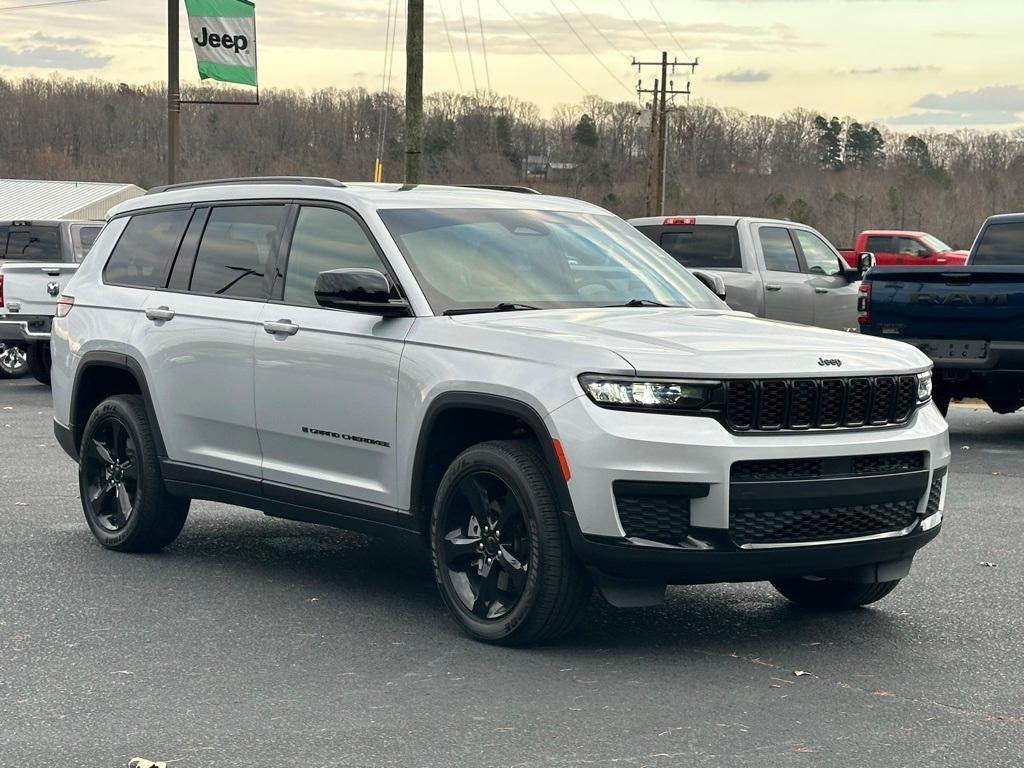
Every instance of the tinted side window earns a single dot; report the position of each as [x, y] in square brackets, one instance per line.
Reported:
[146, 247]
[86, 237]
[29, 243]
[779, 253]
[704, 246]
[1001, 244]
[325, 238]
[817, 254]
[908, 246]
[878, 244]
[236, 250]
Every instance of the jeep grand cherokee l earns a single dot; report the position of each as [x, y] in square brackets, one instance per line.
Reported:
[525, 383]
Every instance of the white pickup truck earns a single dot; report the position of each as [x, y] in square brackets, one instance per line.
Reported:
[37, 258]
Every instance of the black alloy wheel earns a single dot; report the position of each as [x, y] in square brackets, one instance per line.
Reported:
[486, 545]
[111, 474]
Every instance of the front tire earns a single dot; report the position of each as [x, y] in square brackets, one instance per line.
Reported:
[38, 361]
[502, 557]
[123, 495]
[831, 594]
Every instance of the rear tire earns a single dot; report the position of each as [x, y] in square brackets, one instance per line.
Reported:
[942, 394]
[38, 360]
[831, 594]
[13, 364]
[123, 495]
[502, 557]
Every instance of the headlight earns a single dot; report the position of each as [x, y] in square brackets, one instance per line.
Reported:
[635, 394]
[924, 387]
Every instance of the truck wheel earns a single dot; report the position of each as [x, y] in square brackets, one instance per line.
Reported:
[831, 594]
[123, 495]
[502, 557]
[12, 362]
[941, 396]
[38, 359]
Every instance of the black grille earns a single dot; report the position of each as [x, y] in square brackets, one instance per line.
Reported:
[659, 518]
[888, 463]
[832, 466]
[777, 404]
[803, 525]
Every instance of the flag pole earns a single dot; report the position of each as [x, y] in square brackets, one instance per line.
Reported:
[173, 91]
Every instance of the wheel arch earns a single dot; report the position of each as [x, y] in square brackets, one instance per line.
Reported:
[100, 375]
[479, 417]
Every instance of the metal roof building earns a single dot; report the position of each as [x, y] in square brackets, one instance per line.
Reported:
[32, 200]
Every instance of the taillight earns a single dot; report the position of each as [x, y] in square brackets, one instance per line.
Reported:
[64, 305]
[864, 304]
[680, 221]
[1, 290]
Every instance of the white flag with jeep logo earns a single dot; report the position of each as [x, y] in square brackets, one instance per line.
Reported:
[224, 36]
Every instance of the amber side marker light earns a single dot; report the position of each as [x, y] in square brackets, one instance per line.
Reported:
[562, 462]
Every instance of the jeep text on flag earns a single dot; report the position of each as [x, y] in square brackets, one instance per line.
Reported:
[224, 36]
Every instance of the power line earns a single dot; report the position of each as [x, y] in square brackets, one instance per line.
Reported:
[451, 45]
[668, 29]
[483, 43]
[390, 33]
[469, 51]
[638, 26]
[30, 6]
[543, 50]
[589, 49]
[599, 30]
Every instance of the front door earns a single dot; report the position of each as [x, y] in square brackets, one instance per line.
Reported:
[835, 294]
[787, 294]
[326, 379]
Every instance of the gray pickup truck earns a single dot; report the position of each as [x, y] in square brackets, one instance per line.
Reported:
[780, 270]
[36, 259]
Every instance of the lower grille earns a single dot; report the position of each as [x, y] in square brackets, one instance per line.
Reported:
[934, 495]
[665, 519]
[804, 525]
[832, 466]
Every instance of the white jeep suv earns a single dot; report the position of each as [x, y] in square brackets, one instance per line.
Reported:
[526, 383]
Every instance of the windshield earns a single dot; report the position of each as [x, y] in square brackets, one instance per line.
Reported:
[469, 258]
[934, 243]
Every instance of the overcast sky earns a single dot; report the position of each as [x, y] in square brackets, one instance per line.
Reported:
[907, 63]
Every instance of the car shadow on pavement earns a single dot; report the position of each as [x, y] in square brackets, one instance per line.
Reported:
[356, 573]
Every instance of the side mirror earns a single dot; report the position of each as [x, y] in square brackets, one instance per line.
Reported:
[715, 283]
[865, 262]
[358, 290]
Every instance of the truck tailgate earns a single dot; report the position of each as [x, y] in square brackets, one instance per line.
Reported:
[32, 288]
[979, 303]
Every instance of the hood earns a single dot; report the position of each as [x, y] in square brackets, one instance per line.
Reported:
[672, 341]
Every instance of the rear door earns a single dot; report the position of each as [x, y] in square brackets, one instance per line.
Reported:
[788, 294]
[884, 248]
[835, 295]
[199, 333]
[327, 387]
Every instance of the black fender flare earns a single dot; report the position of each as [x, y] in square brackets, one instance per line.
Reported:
[123, 362]
[499, 404]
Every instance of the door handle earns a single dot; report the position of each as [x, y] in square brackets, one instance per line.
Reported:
[159, 314]
[821, 290]
[773, 287]
[284, 327]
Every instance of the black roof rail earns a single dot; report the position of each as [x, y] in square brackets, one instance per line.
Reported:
[502, 188]
[313, 181]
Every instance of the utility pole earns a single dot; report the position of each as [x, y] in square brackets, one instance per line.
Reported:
[658, 159]
[173, 92]
[414, 91]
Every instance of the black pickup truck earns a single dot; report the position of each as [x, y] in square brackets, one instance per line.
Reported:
[969, 320]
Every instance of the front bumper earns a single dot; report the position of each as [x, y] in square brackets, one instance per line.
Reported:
[26, 329]
[695, 456]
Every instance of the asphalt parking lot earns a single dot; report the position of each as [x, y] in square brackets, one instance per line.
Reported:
[258, 642]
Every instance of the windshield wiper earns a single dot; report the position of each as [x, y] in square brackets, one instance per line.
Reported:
[504, 306]
[639, 303]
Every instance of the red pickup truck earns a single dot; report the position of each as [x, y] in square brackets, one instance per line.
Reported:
[902, 247]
